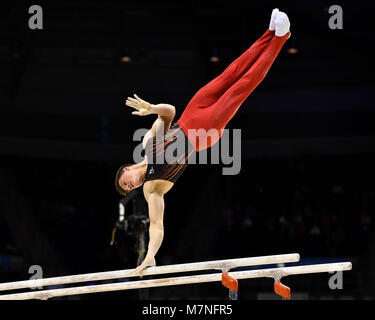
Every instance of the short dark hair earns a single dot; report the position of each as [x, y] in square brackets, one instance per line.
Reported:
[117, 179]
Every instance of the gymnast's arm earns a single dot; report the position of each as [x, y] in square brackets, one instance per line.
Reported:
[154, 195]
[165, 112]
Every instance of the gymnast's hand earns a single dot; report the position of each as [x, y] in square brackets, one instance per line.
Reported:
[143, 107]
[148, 262]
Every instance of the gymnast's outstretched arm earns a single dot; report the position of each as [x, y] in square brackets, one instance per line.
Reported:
[154, 195]
[165, 113]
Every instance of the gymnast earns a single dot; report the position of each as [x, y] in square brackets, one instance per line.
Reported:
[212, 107]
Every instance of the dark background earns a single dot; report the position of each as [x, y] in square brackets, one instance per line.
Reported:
[308, 136]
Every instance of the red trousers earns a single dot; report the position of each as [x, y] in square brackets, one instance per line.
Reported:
[217, 102]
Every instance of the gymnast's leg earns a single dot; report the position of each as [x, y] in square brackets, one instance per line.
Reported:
[221, 110]
[215, 88]
[228, 104]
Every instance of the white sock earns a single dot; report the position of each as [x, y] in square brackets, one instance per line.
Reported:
[282, 24]
[273, 18]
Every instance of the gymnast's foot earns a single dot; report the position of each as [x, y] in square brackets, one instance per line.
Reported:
[282, 24]
[148, 262]
[273, 18]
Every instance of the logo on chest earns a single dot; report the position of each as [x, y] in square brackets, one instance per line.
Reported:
[152, 171]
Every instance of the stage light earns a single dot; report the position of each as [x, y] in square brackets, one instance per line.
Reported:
[126, 59]
[214, 59]
[292, 50]
[214, 55]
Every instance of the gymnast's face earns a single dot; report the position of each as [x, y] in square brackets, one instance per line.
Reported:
[131, 178]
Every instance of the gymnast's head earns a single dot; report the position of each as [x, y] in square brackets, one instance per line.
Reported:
[128, 177]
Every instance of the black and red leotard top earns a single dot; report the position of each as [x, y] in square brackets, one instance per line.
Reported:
[173, 142]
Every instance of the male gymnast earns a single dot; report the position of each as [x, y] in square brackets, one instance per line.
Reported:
[212, 107]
